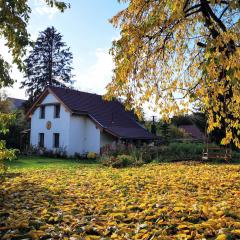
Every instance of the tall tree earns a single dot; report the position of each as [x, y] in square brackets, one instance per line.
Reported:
[14, 17]
[48, 64]
[174, 53]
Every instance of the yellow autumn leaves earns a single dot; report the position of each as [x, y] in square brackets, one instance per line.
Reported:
[169, 201]
[175, 54]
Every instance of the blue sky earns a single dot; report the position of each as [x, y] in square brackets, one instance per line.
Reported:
[88, 33]
[86, 30]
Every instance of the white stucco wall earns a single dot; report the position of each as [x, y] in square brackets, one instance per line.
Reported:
[92, 137]
[59, 125]
[78, 134]
[106, 139]
[84, 136]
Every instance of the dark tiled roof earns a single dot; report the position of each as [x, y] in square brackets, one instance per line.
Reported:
[16, 103]
[193, 130]
[111, 115]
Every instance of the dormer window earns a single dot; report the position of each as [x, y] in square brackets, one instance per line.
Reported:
[57, 111]
[42, 112]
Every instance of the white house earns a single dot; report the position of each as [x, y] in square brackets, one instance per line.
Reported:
[80, 122]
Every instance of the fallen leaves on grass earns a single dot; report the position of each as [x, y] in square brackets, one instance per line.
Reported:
[170, 201]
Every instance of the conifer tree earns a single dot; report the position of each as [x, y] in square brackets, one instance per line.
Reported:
[164, 128]
[48, 64]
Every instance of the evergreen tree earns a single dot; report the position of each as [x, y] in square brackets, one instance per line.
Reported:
[165, 132]
[48, 64]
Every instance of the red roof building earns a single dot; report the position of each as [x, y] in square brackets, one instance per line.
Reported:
[193, 131]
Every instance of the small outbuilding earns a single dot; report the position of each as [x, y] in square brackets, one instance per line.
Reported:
[193, 131]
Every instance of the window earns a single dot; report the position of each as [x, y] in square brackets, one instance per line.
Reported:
[41, 140]
[56, 140]
[42, 112]
[57, 111]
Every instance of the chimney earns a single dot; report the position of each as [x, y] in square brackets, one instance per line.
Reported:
[153, 126]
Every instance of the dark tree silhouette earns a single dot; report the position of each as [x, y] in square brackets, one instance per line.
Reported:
[48, 64]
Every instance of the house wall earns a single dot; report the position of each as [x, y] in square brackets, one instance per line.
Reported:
[78, 134]
[84, 135]
[106, 139]
[59, 125]
[92, 137]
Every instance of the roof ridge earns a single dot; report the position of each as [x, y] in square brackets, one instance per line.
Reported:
[16, 98]
[75, 90]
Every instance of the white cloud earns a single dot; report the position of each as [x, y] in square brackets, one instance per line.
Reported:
[91, 79]
[96, 77]
[40, 7]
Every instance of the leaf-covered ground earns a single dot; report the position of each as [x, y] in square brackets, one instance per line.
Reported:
[169, 201]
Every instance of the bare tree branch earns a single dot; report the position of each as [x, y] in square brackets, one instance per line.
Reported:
[224, 10]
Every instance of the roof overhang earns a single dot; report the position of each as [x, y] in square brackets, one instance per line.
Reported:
[129, 138]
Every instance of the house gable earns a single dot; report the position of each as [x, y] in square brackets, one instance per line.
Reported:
[50, 125]
[78, 133]
[48, 97]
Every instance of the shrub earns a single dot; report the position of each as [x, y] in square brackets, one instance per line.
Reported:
[48, 153]
[60, 152]
[187, 148]
[79, 156]
[108, 160]
[148, 153]
[125, 160]
[173, 152]
[180, 151]
[56, 153]
[117, 149]
[118, 162]
[91, 155]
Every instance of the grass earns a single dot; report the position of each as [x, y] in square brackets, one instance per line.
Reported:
[35, 163]
[62, 199]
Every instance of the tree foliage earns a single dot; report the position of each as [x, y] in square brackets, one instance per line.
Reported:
[14, 17]
[48, 63]
[5, 104]
[5, 121]
[175, 53]
[165, 132]
[17, 125]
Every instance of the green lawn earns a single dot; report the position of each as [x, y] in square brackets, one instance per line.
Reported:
[47, 163]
